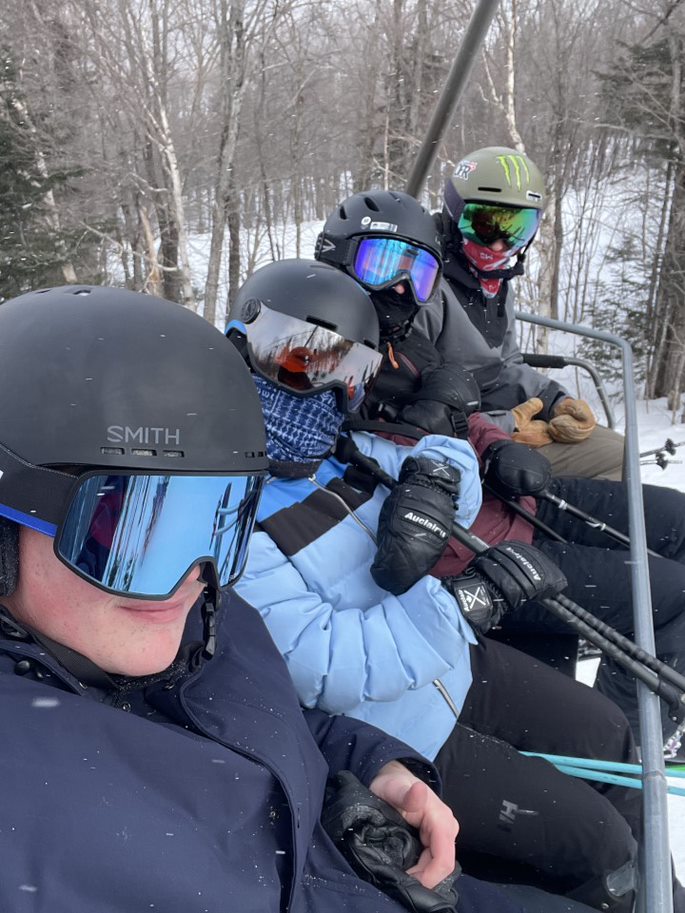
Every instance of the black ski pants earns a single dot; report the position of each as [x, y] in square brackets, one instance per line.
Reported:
[521, 819]
[598, 572]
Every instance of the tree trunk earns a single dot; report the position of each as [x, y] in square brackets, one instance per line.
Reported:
[672, 310]
[233, 222]
[232, 72]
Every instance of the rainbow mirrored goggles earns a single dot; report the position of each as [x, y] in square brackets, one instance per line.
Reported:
[382, 262]
[484, 223]
[379, 262]
[138, 534]
[307, 358]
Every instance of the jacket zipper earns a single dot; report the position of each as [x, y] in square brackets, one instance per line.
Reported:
[436, 681]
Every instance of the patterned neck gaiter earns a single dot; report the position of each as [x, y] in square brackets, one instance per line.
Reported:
[299, 429]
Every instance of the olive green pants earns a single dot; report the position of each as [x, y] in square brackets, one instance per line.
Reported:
[599, 456]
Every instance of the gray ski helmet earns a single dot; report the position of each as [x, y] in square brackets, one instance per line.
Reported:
[113, 379]
[376, 212]
[308, 327]
[498, 175]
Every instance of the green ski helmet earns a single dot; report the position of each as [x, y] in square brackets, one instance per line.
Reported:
[496, 193]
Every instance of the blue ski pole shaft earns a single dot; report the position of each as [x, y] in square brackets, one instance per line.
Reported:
[596, 764]
[600, 776]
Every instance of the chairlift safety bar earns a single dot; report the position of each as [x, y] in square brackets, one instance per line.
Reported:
[657, 892]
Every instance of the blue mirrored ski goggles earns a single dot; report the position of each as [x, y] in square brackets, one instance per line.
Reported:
[140, 535]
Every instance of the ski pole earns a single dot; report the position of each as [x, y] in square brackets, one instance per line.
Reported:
[526, 514]
[661, 461]
[625, 643]
[604, 771]
[586, 773]
[591, 521]
[652, 662]
[669, 447]
[562, 504]
[673, 696]
[596, 764]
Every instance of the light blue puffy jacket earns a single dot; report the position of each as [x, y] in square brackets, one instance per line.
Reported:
[398, 662]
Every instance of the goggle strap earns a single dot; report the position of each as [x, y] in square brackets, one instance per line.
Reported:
[336, 252]
[454, 204]
[21, 480]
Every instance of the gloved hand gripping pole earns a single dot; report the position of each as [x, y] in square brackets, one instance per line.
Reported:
[657, 676]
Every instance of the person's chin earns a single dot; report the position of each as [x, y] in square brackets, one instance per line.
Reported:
[150, 659]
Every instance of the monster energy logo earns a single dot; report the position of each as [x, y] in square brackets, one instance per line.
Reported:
[514, 166]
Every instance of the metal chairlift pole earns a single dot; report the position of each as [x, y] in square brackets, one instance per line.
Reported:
[658, 891]
[457, 78]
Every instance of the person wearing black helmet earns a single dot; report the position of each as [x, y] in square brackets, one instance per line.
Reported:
[405, 658]
[493, 205]
[418, 392]
[390, 244]
[155, 754]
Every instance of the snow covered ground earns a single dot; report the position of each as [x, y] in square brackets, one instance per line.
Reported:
[654, 423]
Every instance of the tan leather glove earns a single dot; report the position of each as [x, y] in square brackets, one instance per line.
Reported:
[533, 432]
[573, 421]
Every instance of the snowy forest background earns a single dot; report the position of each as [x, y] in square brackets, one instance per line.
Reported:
[136, 133]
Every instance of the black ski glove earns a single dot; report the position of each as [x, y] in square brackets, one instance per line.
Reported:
[380, 846]
[415, 523]
[503, 578]
[447, 396]
[513, 469]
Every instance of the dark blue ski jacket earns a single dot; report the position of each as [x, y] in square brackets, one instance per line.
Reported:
[201, 795]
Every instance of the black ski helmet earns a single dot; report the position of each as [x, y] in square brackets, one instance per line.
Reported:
[316, 295]
[384, 213]
[105, 378]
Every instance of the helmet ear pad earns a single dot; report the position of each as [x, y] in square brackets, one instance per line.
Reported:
[9, 556]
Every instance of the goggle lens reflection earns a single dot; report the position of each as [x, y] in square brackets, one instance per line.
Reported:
[140, 535]
[305, 357]
[486, 224]
[380, 262]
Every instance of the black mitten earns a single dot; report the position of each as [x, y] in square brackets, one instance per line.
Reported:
[513, 469]
[380, 845]
[517, 573]
[415, 523]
